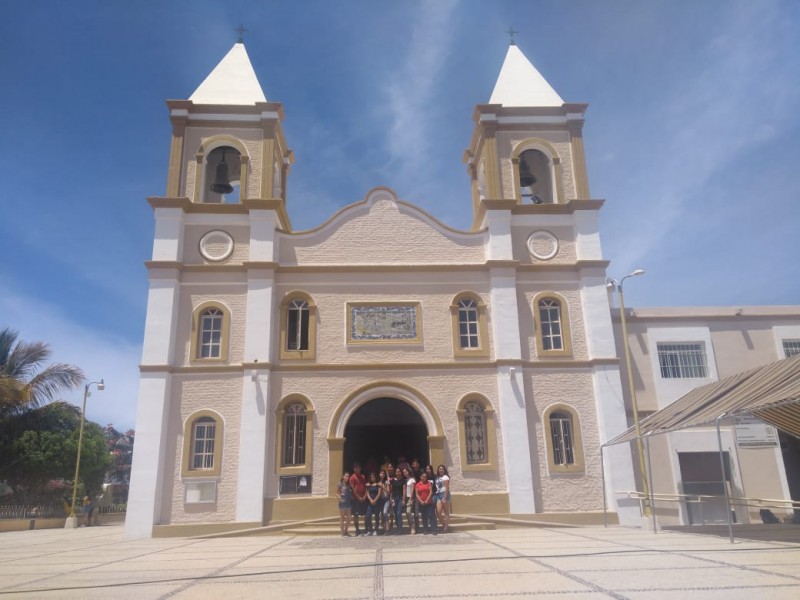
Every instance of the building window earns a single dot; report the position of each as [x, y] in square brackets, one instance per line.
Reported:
[202, 444]
[293, 439]
[563, 438]
[210, 345]
[210, 326]
[294, 435]
[203, 437]
[470, 332]
[561, 432]
[550, 320]
[791, 348]
[298, 326]
[297, 335]
[682, 361]
[468, 323]
[476, 431]
[552, 325]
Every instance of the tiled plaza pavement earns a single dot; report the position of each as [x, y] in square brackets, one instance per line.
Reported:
[583, 563]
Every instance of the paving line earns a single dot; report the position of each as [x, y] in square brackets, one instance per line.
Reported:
[590, 584]
[219, 571]
[12, 588]
[690, 554]
[377, 585]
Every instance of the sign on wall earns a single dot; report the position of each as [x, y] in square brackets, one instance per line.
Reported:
[754, 433]
[369, 322]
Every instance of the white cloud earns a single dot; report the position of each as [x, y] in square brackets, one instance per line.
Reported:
[411, 90]
[99, 354]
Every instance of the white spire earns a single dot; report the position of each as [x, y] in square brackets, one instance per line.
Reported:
[233, 81]
[520, 84]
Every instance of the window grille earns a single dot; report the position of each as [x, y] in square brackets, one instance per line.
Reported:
[475, 433]
[791, 348]
[468, 323]
[297, 334]
[550, 321]
[682, 361]
[204, 434]
[294, 435]
[210, 333]
[561, 432]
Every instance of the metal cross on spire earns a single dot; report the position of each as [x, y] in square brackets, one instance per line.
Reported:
[511, 31]
[241, 29]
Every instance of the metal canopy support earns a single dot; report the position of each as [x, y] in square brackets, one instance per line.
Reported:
[603, 479]
[650, 478]
[724, 480]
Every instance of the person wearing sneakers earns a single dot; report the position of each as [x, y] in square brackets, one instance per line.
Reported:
[424, 492]
[408, 501]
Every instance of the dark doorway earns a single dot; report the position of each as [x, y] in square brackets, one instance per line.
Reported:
[385, 427]
[701, 474]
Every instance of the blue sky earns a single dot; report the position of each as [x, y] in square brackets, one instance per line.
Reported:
[692, 137]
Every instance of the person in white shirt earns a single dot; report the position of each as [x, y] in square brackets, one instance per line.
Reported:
[408, 501]
[442, 497]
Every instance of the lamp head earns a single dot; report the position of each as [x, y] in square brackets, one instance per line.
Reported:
[637, 272]
[101, 386]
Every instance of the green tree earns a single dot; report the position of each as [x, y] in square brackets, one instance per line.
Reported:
[25, 382]
[40, 446]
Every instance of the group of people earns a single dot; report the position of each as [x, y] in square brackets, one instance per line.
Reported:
[385, 496]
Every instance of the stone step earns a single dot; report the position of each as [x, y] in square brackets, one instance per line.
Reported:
[319, 529]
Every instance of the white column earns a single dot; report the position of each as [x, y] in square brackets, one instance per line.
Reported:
[510, 392]
[147, 469]
[147, 473]
[611, 421]
[255, 414]
[609, 399]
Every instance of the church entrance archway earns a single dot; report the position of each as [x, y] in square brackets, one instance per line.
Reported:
[385, 427]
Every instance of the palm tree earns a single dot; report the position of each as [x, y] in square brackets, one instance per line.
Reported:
[24, 384]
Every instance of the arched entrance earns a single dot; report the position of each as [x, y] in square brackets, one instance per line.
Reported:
[419, 430]
[385, 427]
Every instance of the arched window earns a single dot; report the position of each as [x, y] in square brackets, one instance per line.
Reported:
[561, 432]
[222, 176]
[563, 439]
[294, 419]
[294, 435]
[202, 444]
[298, 326]
[470, 337]
[210, 332]
[550, 322]
[477, 434]
[297, 334]
[552, 326]
[210, 343]
[535, 178]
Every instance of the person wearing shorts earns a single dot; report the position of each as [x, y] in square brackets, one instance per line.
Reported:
[344, 495]
[442, 497]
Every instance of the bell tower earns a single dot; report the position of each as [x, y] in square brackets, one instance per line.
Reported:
[527, 144]
[228, 145]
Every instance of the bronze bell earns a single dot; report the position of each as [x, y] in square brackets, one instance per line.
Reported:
[526, 178]
[222, 183]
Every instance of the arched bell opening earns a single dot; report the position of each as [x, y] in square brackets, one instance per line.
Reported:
[222, 176]
[385, 427]
[535, 180]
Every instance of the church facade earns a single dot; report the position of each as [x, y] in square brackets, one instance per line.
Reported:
[273, 358]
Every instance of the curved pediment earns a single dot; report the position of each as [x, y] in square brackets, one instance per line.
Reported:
[381, 230]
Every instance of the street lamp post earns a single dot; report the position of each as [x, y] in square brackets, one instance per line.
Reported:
[72, 520]
[634, 404]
